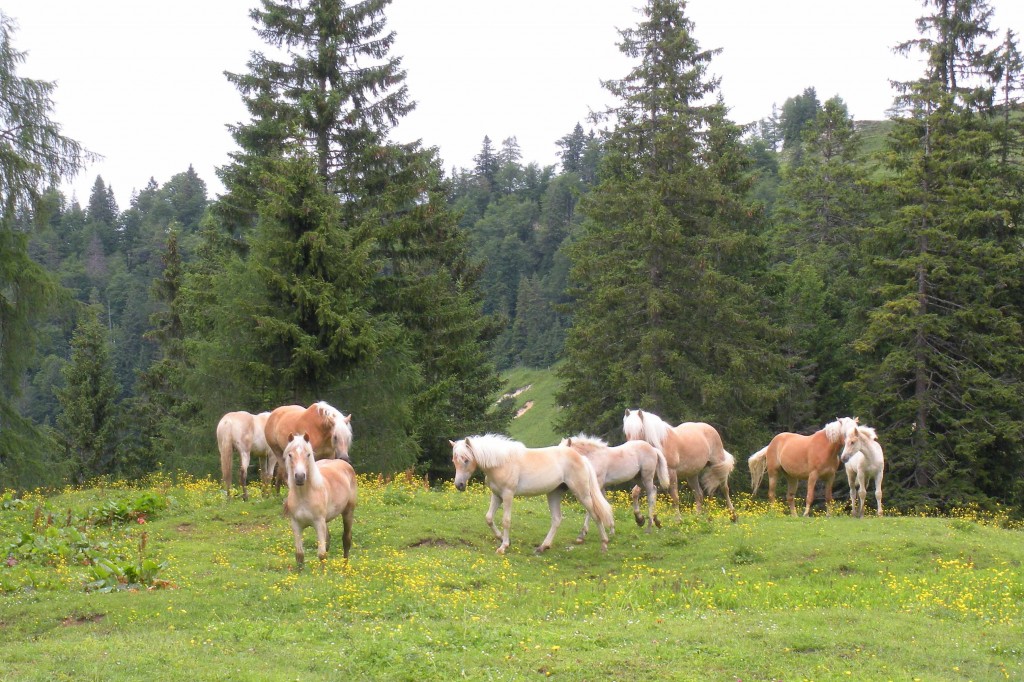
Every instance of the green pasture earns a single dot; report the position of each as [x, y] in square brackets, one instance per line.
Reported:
[200, 587]
[536, 425]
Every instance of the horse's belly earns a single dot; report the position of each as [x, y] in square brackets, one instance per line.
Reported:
[539, 482]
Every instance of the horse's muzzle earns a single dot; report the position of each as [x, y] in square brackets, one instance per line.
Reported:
[300, 479]
[460, 486]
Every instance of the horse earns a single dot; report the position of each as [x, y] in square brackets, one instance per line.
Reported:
[863, 459]
[693, 451]
[317, 493]
[243, 432]
[330, 432]
[800, 458]
[510, 469]
[620, 464]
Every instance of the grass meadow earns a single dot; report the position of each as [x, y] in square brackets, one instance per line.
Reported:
[169, 579]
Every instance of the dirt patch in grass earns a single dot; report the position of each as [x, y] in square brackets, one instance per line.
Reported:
[440, 542]
[185, 527]
[82, 619]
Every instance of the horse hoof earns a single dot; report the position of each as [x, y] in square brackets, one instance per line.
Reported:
[541, 549]
[639, 520]
[734, 518]
[604, 547]
[657, 521]
[579, 540]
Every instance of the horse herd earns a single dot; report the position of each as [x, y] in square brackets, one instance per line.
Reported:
[308, 448]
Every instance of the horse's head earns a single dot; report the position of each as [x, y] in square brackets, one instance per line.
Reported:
[341, 437]
[853, 441]
[298, 458]
[464, 461]
[633, 424]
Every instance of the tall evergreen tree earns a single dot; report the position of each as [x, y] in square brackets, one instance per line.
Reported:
[34, 155]
[88, 418]
[409, 321]
[943, 362]
[667, 317]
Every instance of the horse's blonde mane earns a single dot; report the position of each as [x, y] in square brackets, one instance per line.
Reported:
[836, 431]
[491, 449]
[341, 427]
[868, 432]
[584, 439]
[653, 427]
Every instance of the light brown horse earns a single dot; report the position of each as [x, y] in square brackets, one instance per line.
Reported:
[620, 464]
[801, 458]
[693, 450]
[510, 469]
[243, 432]
[330, 432]
[317, 493]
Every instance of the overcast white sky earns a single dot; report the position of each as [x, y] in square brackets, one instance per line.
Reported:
[141, 82]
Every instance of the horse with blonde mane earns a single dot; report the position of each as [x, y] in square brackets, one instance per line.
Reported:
[620, 464]
[693, 451]
[510, 469]
[243, 432]
[862, 456]
[330, 432]
[801, 458]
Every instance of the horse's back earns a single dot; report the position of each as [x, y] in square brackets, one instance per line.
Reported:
[233, 428]
[279, 424]
[798, 454]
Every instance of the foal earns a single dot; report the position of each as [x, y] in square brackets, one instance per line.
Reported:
[862, 456]
[317, 493]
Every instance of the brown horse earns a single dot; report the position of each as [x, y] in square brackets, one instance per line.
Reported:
[317, 493]
[801, 458]
[693, 450]
[244, 432]
[330, 432]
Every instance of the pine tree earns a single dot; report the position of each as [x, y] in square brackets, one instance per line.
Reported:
[88, 418]
[666, 315]
[943, 362]
[373, 298]
[34, 156]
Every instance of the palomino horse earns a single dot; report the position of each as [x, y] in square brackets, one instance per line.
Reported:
[620, 464]
[510, 469]
[863, 459]
[330, 432]
[317, 493]
[693, 450]
[242, 431]
[801, 458]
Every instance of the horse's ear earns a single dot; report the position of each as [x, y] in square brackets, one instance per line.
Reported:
[856, 420]
[568, 441]
[306, 437]
[469, 446]
[627, 413]
[290, 436]
[451, 442]
[348, 418]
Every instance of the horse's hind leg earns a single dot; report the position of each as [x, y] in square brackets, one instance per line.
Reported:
[555, 505]
[634, 496]
[495, 503]
[583, 531]
[322, 538]
[791, 484]
[652, 497]
[243, 456]
[698, 492]
[506, 521]
[878, 492]
[728, 501]
[812, 481]
[348, 516]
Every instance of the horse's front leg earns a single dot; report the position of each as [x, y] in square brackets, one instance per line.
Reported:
[322, 537]
[791, 483]
[555, 505]
[673, 489]
[829, 482]
[346, 539]
[243, 457]
[812, 481]
[495, 503]
[878, 492]
[634, 495]
[300, 554]
[583, 531]
[698, 492]
[506, 521]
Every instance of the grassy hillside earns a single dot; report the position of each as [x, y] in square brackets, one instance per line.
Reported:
[536, 390]
[207, 590]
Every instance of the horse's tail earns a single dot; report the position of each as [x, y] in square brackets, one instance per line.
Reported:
[225, 446]
[717, 474]
[662, 469]
[758, 463]
[602, 510]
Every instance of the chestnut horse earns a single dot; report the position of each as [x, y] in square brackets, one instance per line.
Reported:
[693, 450]
[801, 458]
[243, 432]
[620, 464]
[862, 456]
[330, 432]
[317, 493]
[510, 469]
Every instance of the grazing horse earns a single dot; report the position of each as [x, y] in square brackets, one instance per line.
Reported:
[330, 432]
[863, 459]
[801, 458]
[510, 469]
[243, 432]
[317, 493]
[620, 464]
[693, 450]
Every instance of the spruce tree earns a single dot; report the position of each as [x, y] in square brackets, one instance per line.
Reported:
[88, 418]
[373, 291]
[667, 317]
[943, 363]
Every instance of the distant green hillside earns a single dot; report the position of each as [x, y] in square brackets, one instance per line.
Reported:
[535, 404]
